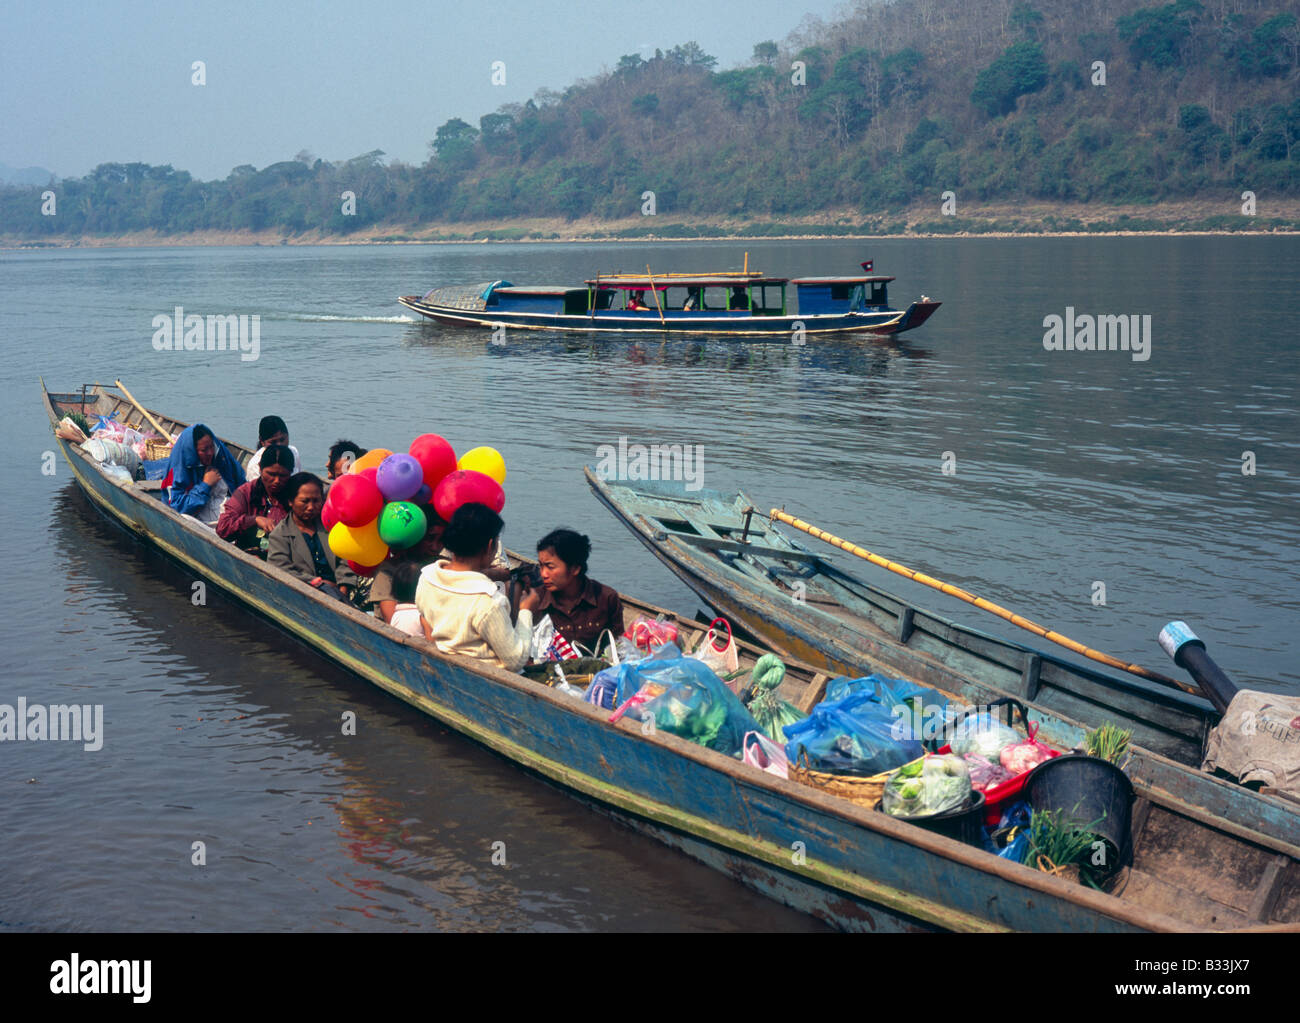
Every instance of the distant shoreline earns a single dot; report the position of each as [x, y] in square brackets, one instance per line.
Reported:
[1186, 218]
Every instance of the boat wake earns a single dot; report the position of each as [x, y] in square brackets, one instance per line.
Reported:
[329, 318]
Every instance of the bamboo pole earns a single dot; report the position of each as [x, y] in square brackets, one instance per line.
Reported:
[654, 291]
[984, 605]
[144, 411]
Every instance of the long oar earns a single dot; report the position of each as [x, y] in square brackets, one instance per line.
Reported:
[143, 411]
[980, 602]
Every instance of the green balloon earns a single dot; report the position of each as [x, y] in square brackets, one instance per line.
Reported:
[402, 524]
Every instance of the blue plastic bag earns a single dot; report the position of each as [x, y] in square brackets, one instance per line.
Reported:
[854, 735]
[612, 686]
[684, 697]
[927, 721]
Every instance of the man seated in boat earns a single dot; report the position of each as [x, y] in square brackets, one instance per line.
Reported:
[426, 552]
[300, 543]
[692, 299]
[271, 430]
[581, 609]
[341, 456]
[257, 506]
[406, 615]
[739, 301]
[468, 613]
[201, 474]
[636, 302]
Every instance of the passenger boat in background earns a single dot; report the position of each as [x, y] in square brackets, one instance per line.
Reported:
[739, 303]
[854, 868]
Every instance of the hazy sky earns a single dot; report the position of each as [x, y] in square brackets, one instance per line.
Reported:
[85, 83]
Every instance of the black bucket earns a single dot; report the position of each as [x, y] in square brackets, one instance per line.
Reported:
[1086, 789]
[964, 824]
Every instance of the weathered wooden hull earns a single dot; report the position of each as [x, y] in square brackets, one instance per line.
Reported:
[854, 868]
[719, 324]
[1065, 699]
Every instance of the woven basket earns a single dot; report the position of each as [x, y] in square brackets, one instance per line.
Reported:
[157, 449]
[866, 791]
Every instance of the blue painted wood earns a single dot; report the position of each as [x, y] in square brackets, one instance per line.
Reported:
[677, 321]
[857, 866]
[1062, 713]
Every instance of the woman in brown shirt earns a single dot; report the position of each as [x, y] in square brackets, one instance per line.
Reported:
[580, 608]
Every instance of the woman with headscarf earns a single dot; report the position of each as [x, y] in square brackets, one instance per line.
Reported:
[201, 474]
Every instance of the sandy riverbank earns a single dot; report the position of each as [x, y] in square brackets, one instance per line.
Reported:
[987, 220]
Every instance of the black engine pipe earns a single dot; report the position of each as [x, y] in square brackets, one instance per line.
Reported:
[1188, 652]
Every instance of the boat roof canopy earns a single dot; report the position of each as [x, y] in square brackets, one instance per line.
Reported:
[629, 283]
[538, 289]
[874, 279]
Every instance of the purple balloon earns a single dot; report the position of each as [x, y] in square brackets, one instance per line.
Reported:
[400, 477]
[424, 495]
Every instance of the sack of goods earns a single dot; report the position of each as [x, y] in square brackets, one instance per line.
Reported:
[684, 697]
[855, 735]
[1258, 740]
[928, 786]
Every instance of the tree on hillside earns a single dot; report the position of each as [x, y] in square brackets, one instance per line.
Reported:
[1020, 70]
[1158, 34]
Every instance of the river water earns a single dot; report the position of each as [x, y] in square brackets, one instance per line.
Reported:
[965, 449]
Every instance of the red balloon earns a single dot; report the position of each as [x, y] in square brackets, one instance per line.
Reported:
[356, 499]
[435, 456]
[366, 570]
[329, 515]
[371, 474]
[464, 486]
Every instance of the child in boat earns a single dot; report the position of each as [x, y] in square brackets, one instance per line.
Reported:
[300, 545]
[258, 505]
[636, 302]
[581, 609]
[342, 454]
[468, 613]
[271, 430]
[383, 591]
[406, 616]
[201, 474]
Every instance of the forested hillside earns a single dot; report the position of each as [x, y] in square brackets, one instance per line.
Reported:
[1109, 101]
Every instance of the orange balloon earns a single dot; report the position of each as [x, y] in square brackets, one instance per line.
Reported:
[370, 460]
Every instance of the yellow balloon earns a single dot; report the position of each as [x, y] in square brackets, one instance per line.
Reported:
[370, 460]
[361, 544]
[488, 461]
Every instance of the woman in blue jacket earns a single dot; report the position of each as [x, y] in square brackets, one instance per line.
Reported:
[201, 474]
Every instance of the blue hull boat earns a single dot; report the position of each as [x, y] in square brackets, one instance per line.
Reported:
[743, 304]
[852, 867]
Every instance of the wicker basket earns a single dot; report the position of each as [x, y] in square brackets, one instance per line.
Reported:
[157, 449]
[863, 791]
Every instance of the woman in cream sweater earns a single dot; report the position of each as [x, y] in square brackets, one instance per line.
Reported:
[468, 613]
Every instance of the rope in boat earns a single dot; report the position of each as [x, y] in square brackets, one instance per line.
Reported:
[777, 515]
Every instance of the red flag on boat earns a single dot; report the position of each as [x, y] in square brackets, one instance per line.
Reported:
[866, 267]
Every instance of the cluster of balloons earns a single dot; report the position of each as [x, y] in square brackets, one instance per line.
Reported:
[375, 507]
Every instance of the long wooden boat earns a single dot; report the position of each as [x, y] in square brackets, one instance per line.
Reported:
[726, 303]
[801, 606]
[852, 867]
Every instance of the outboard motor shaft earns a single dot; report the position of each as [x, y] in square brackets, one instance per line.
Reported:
[1188, 652]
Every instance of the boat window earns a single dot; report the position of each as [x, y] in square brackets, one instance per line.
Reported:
[879, 294]
[841, 292]
[576, 301]
[604, 298]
